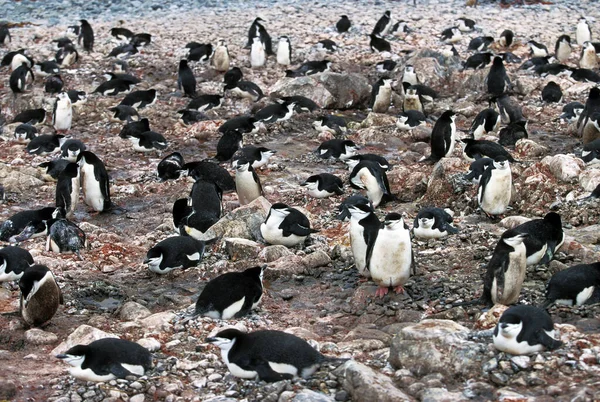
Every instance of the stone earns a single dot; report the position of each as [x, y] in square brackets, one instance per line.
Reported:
[317, 259]
[367, 331]
[363, 345]
[243, 222]
[273, 253]
[439, 187]
[441, 395]
[589, 179]
[292, 265]
[161, 321]
[522, 362]
[512, 221]
[83, 335]
[489, 319]
[528, 148]
[378, 120]
[366, 385]
[152, 344]
[137, 398]
[328, 90]
[446, 330]
[8, 389]
[564, 167]
[306, 395]
[132, 311]
[36, 336]
[184, 364]
[19, 179]
[241, 249]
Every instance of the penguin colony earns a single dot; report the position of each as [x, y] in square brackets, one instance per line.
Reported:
[382, 243]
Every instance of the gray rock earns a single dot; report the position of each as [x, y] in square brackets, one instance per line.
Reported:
[439, 187]
[152, 344]
[8, 390]
[159, 320]
[564, 167]
[307, 395]
[36, 336]
[522, 362]
[132, 311]
[366, 385]
[19, 179]
[589, 179]
[273, 253]
[317, 259]
[529, 148]
[83, 335]
[243, 222]
[441, 395]
[137, 398]
[241, 249]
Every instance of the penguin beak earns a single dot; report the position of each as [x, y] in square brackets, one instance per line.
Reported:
[211, 339]
[61, 356]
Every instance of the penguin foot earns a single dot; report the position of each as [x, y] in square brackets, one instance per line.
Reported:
[381, 291]
[399, 289]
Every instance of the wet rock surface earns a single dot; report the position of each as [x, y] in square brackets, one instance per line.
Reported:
[311, 290]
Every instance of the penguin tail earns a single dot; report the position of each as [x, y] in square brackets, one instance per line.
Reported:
[549, 342]
[212, 241]
[451, 229]
[292, 73]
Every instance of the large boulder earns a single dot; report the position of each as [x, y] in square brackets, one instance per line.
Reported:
[564, 167]
[328, 90]
[83, 335]
[366, 385]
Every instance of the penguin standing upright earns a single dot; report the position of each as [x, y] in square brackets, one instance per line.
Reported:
[177, 252]
[87, 34]
[186, 79]
[562, 50]
[443, 136]
[364, 226]
[410, 75]
[545, 236]
[588, 58]
[506, 38]
[258, 54]
[343, 25]
[247, 183]
[485, 122]
[576, 285]
[592, 105]
[390, 256]
[583, 33]
[257, 29]
[94, 181]
[231, 295]
[495, 187]
[284, 51]
[20, 78]
[505, 272]
[381, 95]
[285, 225]
[67, 189]
[220, 58]
[383, 25]
[107, 359]
[269, 355]
[497, 79]
[524, 330]
[13, 263]
[62, 114]
[40, 295]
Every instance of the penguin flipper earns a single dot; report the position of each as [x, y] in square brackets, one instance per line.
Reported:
[266, 373]
[119, 371]
[549, 342]
[550, 250]
[299, 230]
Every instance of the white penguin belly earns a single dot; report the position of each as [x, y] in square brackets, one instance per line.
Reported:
[284, 368]
[247, 189]
[390, 260]
[63, 117]
[258, 56]
[510, 345]
[74, 194]
[283, 55]
[582, 34]
[478, 133]
[428, 233]
[537, 256]
[233, 309]
[584, 295]
[221, 59]
[383, 100]
[359, 248]
[235, 369]
[91, 188]
[369, 182]
[88, 375]
[589, 60]
[497, 193]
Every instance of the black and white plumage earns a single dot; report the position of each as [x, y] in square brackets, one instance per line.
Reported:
[513, 132]
[309, 68]
[331, 123]
[381, 95]
[284, 51]
[495, 187]
[220, 58]
[20, 78]
[177, 252]
[189, 117]
[135, 128]
[383, 25]
[390, 259]
[40, 295]
[545, 236]
[537, 49]
[67, 189]
[62, 42]
[576, 286]
[205, 102]
[343, 24]
[67, 55]
[552, 93]
[148, 141]
[113, 87]
[354, 160]
[125, 113]
[186, 79]
[370, 176]
[347, 203]
[497, 80]
[231, 295]
[77, 97]
[53, 168]
[211, 172]
[477, 168]
[121, 34]
[13, 263]
[94, 181]
[433, 223]
[324, 185]
[505, 272]
[44, 144]
[475, 149]
[87, 34]
[15, 58]
[4, 35]
[412, 100]
[410, 119]
[443, 136]
[245, 90]
[123, 51]
[71, 148]
[510, 111]
[243, 124]
[25, 131]
[247, 183]
[327, 45]
[65, 236]
[303, 104]
[31, 116]
[46, 68]
[107, 359]
[525, 330]
[258, 29]
[257, 156]
[232, 76]
[478, 61]
[588, 59]
[140, 99]
[562, 49]
[267, 355]
[378, 44]
[275, 113]
[53, 84]
[451, 35]
[286, 226]
[199, 52]
[337, 149]
[170, 167]
[62, 113]
[228, 145]
[480, 43]
[128, 78]
[258, 54]
[584, 75]
[510, 57]
[465, 24]
[583, 32]
[386, 66]
[26, 224]
[506, 38]
[591, 152]
[204, 208]
[141, 39]
[485, 122]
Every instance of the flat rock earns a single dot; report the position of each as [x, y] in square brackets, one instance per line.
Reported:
[161, 321]
[83, 335]
[307, 395]
[564, 167]
[241, 249]
[132, 311]
[38, 337]
[366, 385]
[152, 344]
[441, 395]
[273, 253]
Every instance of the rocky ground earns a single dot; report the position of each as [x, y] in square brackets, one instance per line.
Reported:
[312, 291]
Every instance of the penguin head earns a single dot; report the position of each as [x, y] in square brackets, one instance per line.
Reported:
[311, 183]
[243, 165]
[280, 210]
[388, 13]
[510, 325]
[265, 153]
[554, 219]
[394, 221]
[426, 219]
[284, 38]
[154, 257]
[352, 161]
[497, 62]
[350, 147]
[588, 47]
[501, 163]
[409, 69]
[74, 356]
[183, 63]
[360, 211]
[225, 339]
